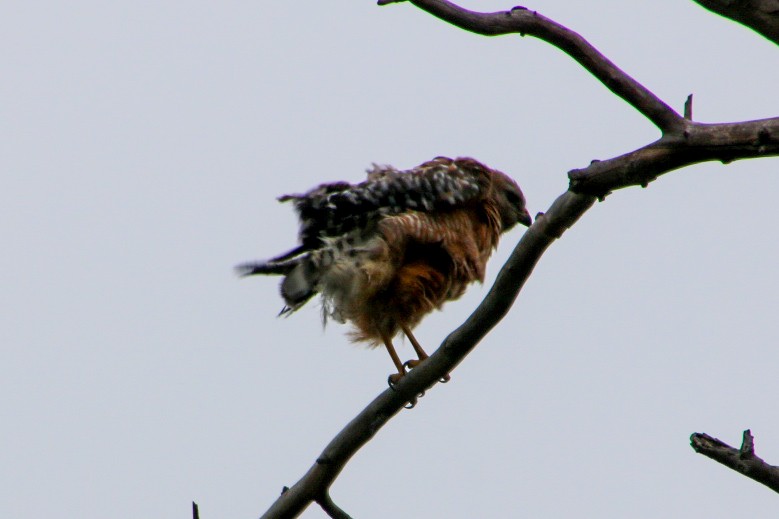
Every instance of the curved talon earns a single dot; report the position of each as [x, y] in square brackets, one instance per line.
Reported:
[413, 402]
[393, 379]
[411, 364]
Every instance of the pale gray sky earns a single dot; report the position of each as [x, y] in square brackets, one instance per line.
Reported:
[142, 147]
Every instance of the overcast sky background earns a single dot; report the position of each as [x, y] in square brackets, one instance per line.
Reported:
[143, 145]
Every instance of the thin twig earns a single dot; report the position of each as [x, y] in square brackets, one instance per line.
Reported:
[688, 108]
[330, 508]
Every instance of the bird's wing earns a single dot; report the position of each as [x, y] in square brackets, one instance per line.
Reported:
[337, 208]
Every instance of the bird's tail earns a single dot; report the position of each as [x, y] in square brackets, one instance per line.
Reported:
[278, 268]
[302, 271]
[280, 265]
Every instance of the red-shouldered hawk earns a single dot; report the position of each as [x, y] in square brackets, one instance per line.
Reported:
[387, 251]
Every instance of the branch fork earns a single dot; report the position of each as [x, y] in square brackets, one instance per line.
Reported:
[682, 143]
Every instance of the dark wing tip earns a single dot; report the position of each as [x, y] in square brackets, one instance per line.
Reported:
[249, 269]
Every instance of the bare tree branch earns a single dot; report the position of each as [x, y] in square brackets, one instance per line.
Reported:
[741, 460]
[683, 143]
[760, 15]
[330, 508]
[562, 214]
[525, 22]
[698, 142]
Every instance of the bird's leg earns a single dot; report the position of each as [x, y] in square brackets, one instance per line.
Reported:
[420, 352]
[417, 347]
[395, 377]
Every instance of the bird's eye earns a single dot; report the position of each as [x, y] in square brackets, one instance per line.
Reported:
[512, 197]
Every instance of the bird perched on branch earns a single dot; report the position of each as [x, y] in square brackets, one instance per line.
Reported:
[387, 251]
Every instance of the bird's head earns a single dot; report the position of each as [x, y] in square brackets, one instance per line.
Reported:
[510, 202]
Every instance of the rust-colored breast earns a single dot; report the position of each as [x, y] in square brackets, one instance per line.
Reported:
[430, 258]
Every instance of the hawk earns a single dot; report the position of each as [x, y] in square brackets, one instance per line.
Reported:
[387, 251]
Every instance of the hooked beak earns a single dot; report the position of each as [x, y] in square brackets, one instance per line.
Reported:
[525, 218]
